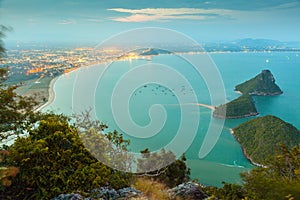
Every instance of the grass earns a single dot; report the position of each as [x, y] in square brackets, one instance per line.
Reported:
[154, 190]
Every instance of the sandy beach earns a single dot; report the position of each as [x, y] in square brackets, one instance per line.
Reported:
[51, 95]
[206, 106]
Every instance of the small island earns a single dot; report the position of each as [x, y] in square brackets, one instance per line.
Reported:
[260, 137]
[261, 85]
[238, 108]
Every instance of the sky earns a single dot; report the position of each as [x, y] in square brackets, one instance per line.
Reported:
[203, 20]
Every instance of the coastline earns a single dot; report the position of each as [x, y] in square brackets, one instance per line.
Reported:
[51, 95]
[237, 91]
[245, 153]
[236, 117]
[206, 106]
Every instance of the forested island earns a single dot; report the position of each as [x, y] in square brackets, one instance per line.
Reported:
[261, 136]
[238, 108]
[261, 85]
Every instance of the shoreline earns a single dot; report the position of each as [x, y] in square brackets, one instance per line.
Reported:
[51, 96]
[206, 106]
[51, 92]
[236, 117]
[238, 92]
[244, 152]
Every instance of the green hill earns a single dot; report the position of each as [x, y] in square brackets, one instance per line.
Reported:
[238, 108]
[151, 52]
[263, 85]
[260, 137]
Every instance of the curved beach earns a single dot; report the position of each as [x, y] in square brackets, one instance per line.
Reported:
[51, 95]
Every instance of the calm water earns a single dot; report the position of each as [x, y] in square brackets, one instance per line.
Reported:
[225, 161]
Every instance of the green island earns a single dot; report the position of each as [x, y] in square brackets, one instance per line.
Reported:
[238, 108]
[261, 136]
[261, 85]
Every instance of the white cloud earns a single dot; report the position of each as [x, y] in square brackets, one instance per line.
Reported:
[67, 21]
[167, 14]
[94, 20]
[32, 21]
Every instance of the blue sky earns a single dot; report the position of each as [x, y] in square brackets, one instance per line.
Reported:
[203, 20]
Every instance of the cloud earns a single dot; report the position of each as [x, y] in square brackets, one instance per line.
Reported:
[94, 20]
[32, 21]
[167, 14]
[67, 21]
[289, 5]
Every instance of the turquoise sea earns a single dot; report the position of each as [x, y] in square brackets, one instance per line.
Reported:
[226, 160]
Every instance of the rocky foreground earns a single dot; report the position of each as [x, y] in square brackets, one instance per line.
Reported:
[187, 190]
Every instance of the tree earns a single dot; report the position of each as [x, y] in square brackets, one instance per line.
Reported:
[6, 99]
[16, 112]
[164, 167]
[280, 180]
[227, 192]
[6, 172]
[110, 148]
[3, 29]
[53, 160]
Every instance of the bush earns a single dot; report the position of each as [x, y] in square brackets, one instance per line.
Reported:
[52, 160]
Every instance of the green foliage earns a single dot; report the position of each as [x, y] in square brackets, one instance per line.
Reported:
[240, 107]
[109, 148]
[53, 160]
[262, 84]
[6, 172]
[260, 137]
[227, 192]
[3, 29]
[170, 171]
[16, 112]
[280, 180]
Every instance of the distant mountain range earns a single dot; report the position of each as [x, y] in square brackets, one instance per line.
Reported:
[247, 44]
[250, 44]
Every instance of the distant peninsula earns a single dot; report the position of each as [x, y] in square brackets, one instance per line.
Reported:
[261, 85]
[238, 108]
[260, 137]
[152, 52]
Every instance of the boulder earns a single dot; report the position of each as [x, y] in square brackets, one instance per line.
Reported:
[187, 190]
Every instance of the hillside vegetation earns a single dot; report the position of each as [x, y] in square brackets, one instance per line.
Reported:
[261, 136]
[263, 85]
[238, 108]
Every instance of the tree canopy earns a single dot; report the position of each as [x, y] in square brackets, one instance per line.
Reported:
[280, 180]
[260, 137]
[241, 107]
[262, 84]
[53, 160]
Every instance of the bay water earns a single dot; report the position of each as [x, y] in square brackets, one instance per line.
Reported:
[226, 160]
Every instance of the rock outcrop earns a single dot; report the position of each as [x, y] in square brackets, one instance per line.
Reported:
[187, 190]
[103, 193]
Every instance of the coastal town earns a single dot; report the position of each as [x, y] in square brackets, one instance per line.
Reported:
[34, 69]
